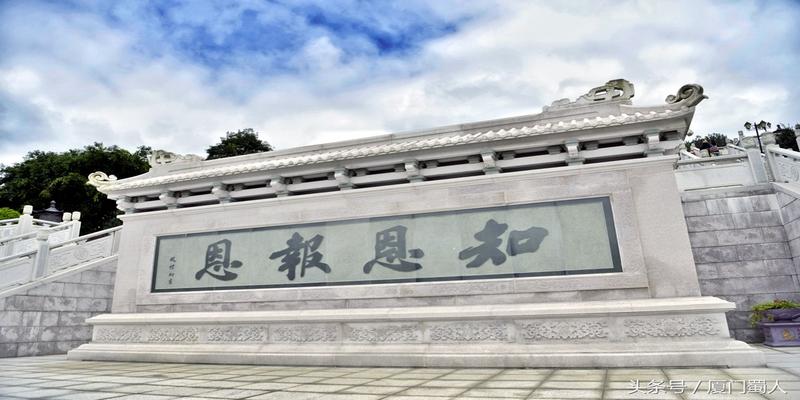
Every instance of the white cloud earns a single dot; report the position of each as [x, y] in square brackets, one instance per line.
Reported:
[78, 77]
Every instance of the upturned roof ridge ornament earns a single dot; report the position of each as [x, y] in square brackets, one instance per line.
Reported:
[98, 179]
[691, 94]
[616, 90]
[162, 157]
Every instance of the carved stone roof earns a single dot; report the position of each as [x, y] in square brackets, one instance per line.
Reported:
[605, 106]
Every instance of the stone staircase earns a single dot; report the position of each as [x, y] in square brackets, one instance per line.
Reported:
[51, 281]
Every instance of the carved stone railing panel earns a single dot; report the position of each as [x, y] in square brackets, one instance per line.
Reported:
[784, 164]
[16, 272]
[68, 256]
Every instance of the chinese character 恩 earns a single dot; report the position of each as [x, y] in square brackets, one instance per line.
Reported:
[390, 251]
[218, 264]
[519, 242]
[302, 252]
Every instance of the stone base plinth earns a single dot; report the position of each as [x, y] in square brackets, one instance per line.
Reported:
[689, 331]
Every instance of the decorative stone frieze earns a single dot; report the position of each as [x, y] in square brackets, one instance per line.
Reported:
[238, 334]
[111, 334]
[470, 332]
[405, 333]
[563, 330]
[304, 333]
[187, 335]
[670, 327]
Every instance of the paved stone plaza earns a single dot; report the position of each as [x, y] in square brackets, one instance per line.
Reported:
[53, 377]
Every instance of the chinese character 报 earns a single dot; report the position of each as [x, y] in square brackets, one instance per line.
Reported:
[218, 262]
[390, 251]
[519, 242]
[302, 252]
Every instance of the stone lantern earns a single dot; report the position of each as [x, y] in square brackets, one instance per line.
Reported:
[51, 213]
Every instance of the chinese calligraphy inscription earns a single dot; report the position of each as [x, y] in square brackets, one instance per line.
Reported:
[390, 251]
[302, 252]
[218, 262]
[519, 242]
[561, 237]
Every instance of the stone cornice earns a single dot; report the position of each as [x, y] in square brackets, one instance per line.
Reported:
[554, 120]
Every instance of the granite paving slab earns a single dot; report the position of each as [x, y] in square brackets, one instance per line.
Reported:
[53, 377]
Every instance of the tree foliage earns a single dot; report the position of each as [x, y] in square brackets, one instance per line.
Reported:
[716, 139]
[244, 141]
[45, 176]
[7, 213]
[786, 139]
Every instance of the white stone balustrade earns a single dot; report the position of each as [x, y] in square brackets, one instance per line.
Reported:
[784, 164]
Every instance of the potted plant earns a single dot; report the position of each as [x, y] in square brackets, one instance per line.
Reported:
[779, 320]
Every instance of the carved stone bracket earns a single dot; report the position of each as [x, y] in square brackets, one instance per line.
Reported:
[280, 187]
[489, 162]
[653, 138]
[573, 153]
[220, 192]
[342, 177]
[169, 199]
[125, 205]
[412, 171]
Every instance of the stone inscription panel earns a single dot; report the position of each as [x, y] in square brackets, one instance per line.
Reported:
[553, 238]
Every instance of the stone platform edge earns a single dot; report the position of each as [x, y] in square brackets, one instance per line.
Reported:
[686, 331]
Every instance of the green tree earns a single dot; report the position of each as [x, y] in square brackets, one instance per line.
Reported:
[785, 138]
[44, 176]
[7, 213]
[716, 139]
[244, 141]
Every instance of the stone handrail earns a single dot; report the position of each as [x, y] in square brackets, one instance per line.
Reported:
[685, 155]
[48, 258]
[784, 164]
[18, 235]
[735, 147]
[738, 169]
[732, 158]
[31, 235]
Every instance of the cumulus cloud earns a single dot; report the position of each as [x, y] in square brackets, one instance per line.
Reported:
[178, 75]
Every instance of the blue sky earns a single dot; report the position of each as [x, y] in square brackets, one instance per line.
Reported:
[177, 74]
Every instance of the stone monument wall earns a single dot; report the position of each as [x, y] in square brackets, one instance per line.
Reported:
[50, 317]
[742, 244]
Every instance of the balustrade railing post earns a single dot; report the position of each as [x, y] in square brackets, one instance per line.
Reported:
[42, 254]
[757, 167]
[25, 223]
[772, 164]
[76, 224]
[115, 241]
